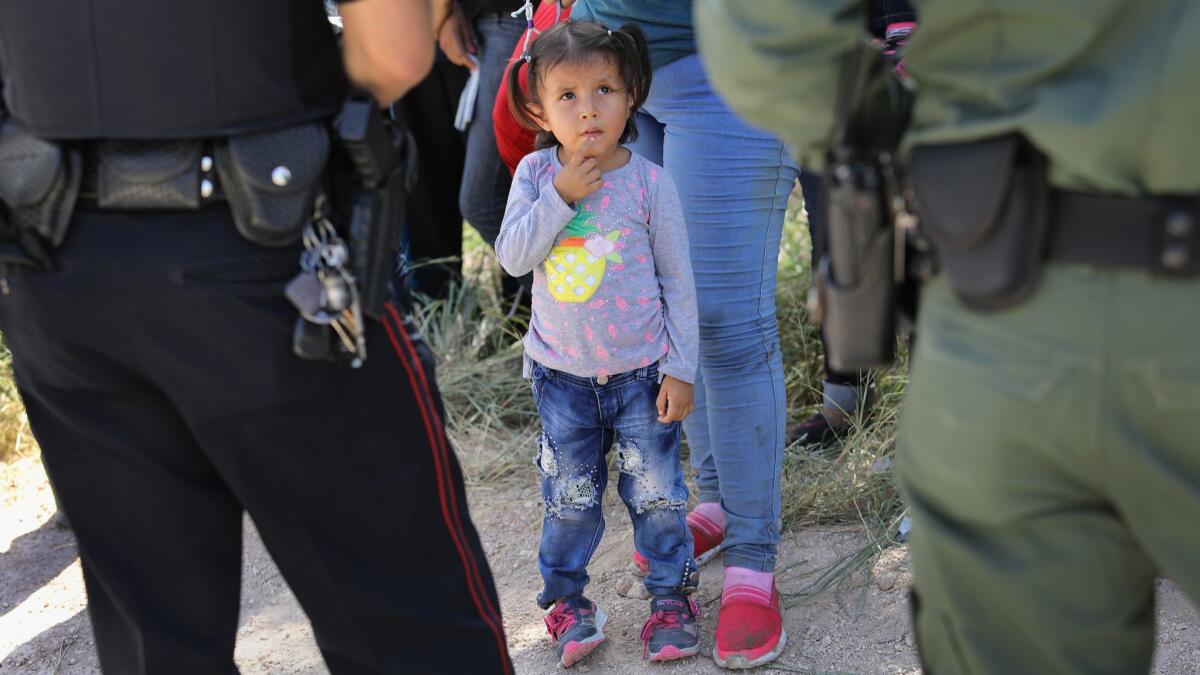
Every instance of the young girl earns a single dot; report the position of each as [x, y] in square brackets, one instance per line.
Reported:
[612, 343]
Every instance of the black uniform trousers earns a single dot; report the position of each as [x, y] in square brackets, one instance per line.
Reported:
[157, 370]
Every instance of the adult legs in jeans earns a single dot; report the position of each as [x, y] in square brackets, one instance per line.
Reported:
[734, 183]
[486, 180]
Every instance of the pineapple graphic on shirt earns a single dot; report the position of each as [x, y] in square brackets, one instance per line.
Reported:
[575, 267]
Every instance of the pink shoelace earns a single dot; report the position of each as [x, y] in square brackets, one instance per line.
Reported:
[669, 618]
[559, 621]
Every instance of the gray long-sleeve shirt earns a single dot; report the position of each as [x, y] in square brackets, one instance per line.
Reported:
[612, 277]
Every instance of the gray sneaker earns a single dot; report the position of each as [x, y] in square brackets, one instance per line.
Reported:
[577, 627]
[670, 632]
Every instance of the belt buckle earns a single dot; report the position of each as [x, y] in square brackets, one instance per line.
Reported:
[1176, 242]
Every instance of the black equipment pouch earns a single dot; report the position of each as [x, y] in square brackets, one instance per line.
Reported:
[856, 283]
[271, 180]
[148, 174]
[39, 183]
[985, 207]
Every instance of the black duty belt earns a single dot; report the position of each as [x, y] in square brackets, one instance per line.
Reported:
[1160, 235]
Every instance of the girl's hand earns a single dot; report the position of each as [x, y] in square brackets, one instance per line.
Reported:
[580, 176]
[674, 400]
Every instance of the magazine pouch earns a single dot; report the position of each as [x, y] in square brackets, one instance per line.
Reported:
[148, 174]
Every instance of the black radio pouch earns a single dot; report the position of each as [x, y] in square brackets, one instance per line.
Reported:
[985, 207]
[148, 174]
[39, 183]
[271, 180]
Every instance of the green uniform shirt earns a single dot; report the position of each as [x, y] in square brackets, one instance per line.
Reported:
[1106, 88]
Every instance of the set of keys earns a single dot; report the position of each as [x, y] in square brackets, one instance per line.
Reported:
[327, 297]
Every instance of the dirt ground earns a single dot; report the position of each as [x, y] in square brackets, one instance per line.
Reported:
[861, 629]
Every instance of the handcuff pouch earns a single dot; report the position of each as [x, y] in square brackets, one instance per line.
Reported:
[271, 180]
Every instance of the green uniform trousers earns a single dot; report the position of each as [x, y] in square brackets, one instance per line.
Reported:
[1051, 457]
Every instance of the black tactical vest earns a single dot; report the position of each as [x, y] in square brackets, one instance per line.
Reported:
[167, 68]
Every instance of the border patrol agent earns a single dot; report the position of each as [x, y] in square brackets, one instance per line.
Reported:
[152, 343]
[1048, 446]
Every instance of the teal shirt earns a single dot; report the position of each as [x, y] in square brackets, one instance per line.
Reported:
[666, 23]
[1107, 88]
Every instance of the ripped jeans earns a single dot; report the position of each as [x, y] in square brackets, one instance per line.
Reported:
[581, 420]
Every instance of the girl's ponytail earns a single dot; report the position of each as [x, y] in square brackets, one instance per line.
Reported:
[518, 100]
[634, 62]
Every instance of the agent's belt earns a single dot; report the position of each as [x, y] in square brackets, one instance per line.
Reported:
[1159, 235]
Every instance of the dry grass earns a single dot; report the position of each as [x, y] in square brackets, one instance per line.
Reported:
[16, 441]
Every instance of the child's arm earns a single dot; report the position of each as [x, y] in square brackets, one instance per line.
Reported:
[673, 266]
[532, 221]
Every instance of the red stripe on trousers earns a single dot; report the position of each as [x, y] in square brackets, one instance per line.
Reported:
[444, 446]
[475, 585]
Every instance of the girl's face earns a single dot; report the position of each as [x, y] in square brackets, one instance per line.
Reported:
[585, 104]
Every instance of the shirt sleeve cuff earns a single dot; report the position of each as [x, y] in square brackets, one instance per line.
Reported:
[677, 371]
[556, 202]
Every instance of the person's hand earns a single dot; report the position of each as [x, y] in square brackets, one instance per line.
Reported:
[456, 40]
[674, 400]
[580, 176]
[567, 3]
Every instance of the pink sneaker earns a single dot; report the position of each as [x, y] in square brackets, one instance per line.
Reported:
[749, 634]
[670, 632]
[577, 627]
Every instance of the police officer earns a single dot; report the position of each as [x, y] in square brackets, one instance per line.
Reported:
[1048, 447]
[153, 346]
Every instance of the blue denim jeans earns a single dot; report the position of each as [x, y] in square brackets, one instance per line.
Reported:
[581, 420]
[734, 183]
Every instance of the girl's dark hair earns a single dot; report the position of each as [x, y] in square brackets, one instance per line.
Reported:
[577, 42]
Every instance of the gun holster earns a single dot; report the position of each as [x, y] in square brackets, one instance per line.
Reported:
[856, 281]
[378, 169]
[985, 207]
